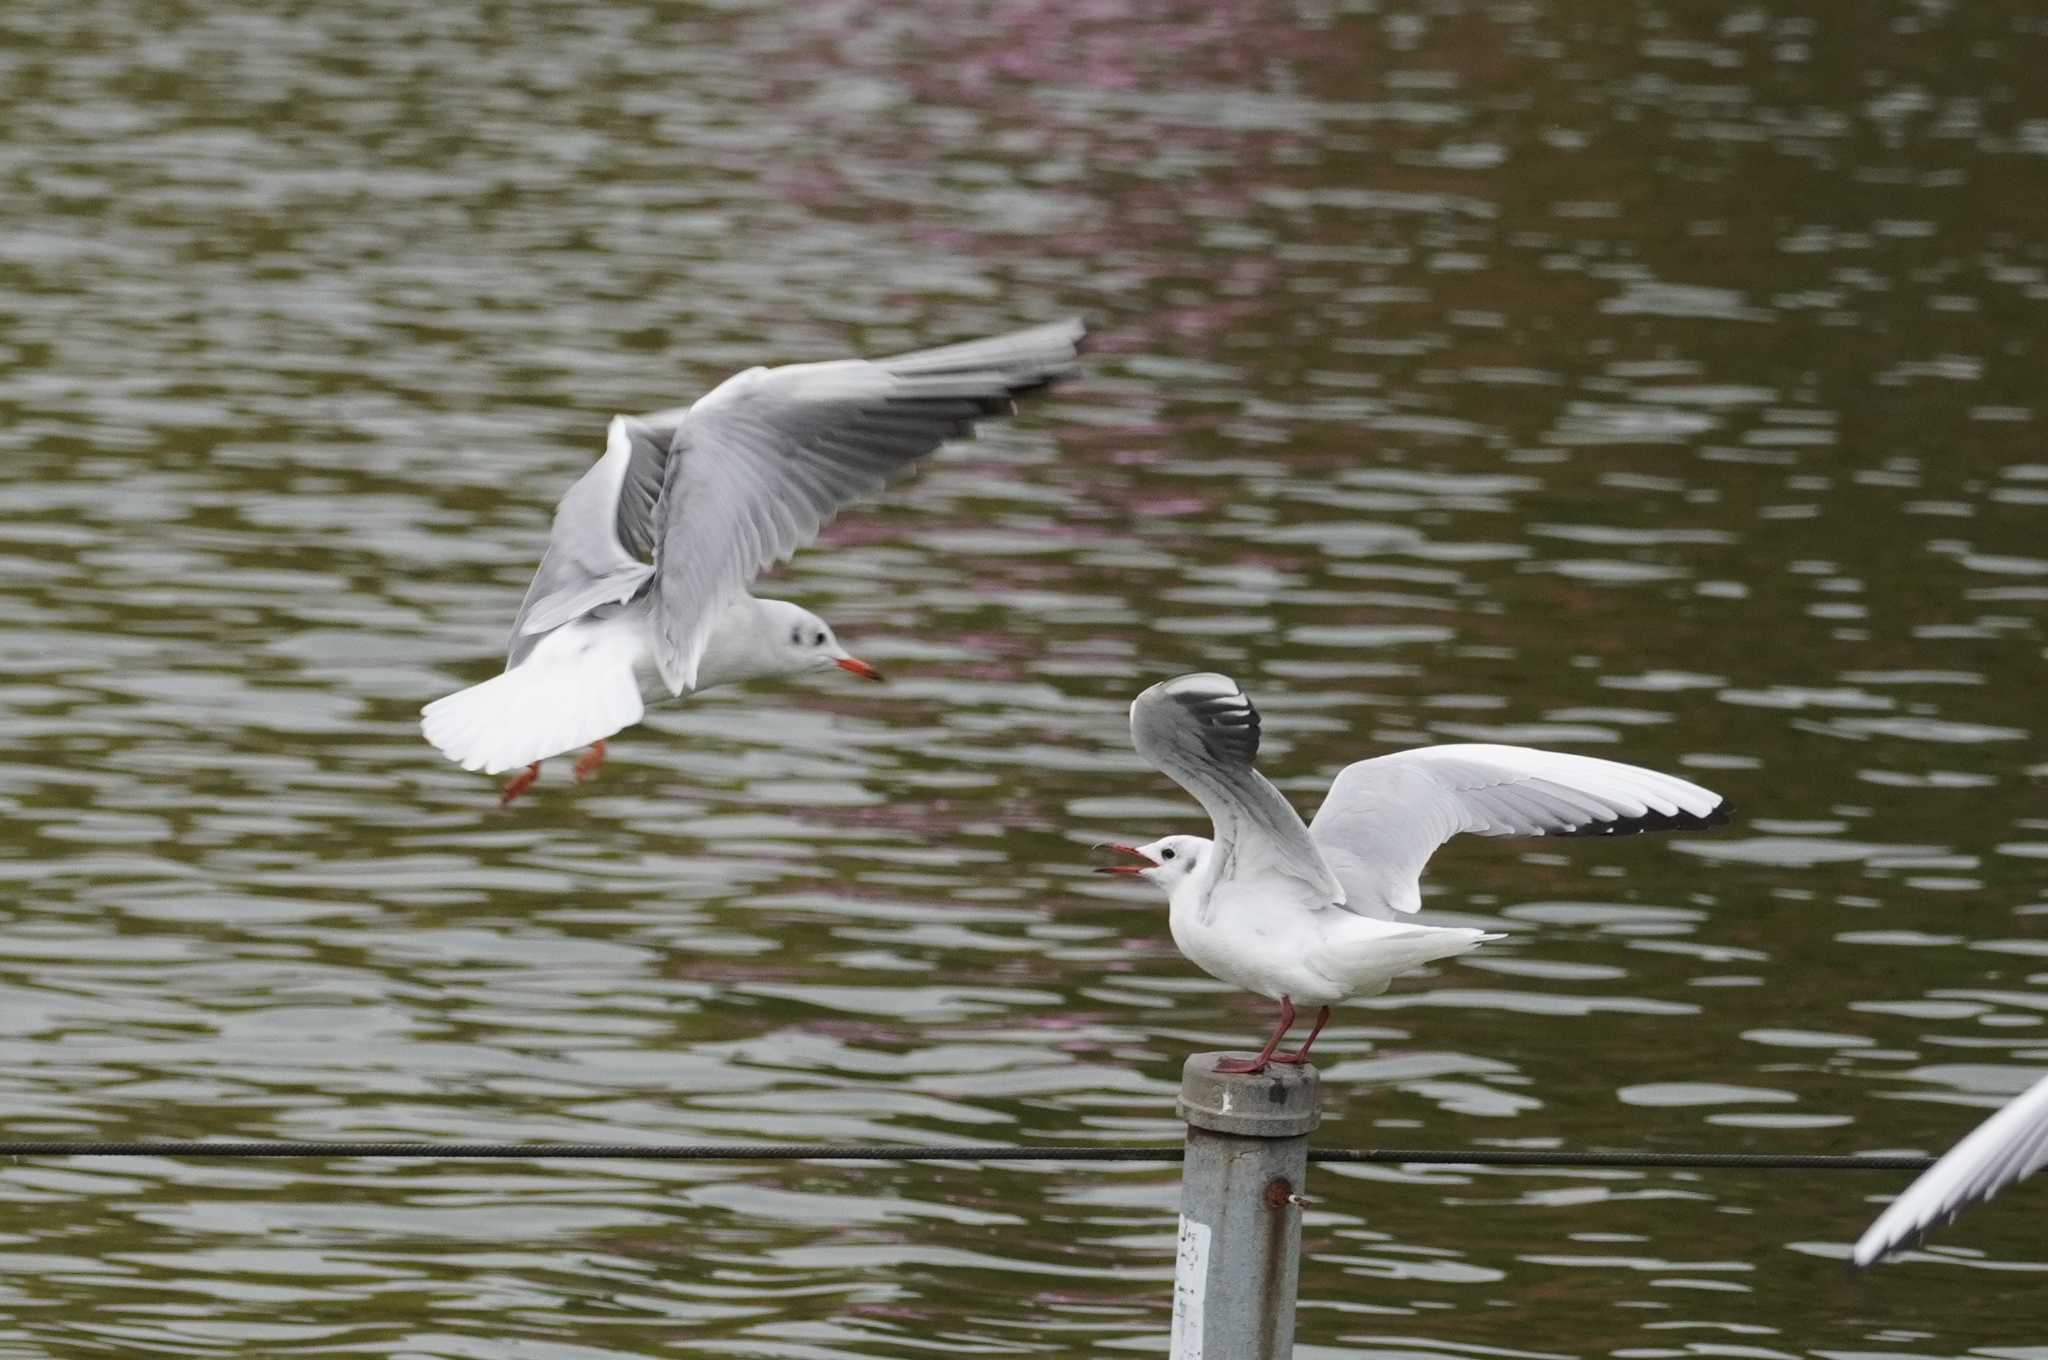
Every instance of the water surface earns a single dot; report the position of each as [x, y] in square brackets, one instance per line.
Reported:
[1611, 377]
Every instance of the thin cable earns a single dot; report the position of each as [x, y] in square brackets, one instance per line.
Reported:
[646, 1152]
[916, 1152]
[1563, 1157]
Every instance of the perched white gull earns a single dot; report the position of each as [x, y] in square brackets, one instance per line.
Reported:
[1313, 914]
[2009, 1146]
[641, 597]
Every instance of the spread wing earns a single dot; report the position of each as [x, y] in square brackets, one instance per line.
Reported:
[2009, 1146]
[602, 544]
[1202, 732]
[767, 457]
[1386, 816]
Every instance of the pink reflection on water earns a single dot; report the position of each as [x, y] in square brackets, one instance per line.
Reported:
[1116, 45]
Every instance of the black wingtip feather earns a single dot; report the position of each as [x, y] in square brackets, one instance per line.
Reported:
[1228, 720]
[1721, 814]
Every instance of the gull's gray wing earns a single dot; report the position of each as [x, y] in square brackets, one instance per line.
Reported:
[1202, 732]
[601, 547]
[2009, 1146]
[767, 457]
[1384, 817]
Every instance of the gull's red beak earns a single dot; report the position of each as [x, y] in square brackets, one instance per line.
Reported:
[1134, 853]
[858, 667]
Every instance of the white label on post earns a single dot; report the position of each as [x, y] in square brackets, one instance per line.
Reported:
[1190, 1284]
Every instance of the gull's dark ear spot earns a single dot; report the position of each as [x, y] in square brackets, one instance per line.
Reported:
[796, 636]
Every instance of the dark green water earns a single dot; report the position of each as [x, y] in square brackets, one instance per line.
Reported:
[1660, 381]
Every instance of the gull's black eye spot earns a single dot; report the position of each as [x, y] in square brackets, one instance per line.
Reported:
[1166, 854]
[818, 640]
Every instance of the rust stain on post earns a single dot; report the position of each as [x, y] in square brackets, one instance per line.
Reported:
[1276, 1289]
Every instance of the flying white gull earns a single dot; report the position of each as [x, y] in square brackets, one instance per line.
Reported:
[1313, 914]
[641, 597]
[2009, 1146]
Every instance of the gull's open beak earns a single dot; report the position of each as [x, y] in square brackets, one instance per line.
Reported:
[1134, 853]
[858, 667]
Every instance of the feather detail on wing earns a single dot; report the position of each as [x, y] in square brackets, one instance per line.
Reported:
[1202, 732]
[769, 456]
[600, 548]
[1386, 816]
[2009, 1146]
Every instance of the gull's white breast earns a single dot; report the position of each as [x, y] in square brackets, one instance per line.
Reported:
[1275, 941]
[1260, 941]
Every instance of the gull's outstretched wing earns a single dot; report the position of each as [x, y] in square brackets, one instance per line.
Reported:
[601, 548]
[2009, 1146]
[1202, 732]
[1386, 816]
[767, 457]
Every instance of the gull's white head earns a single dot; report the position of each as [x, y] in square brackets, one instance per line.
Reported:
[798, 641]
[1165, 863]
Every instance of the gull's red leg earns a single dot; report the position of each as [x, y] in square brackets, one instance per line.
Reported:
[518, 784]
[1300, 1055]
[587, 763]
[1258, 1064]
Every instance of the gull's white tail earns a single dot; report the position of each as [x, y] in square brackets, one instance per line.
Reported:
[539, 709]
[1370, 954]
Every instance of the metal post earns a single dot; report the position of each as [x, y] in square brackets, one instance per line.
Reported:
[1240, 1200]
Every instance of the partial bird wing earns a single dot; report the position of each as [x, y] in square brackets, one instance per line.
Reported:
[1386, 816]
[2009, 1146]
[767, 457]
[601, 548]
[1202, 732]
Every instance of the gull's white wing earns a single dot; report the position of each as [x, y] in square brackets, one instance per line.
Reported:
[2009, 1146]
[767, 457]
[1202, 732]
[601, 548]
[1386, 816]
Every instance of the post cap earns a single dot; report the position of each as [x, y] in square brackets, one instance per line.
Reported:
[1284, 1101]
